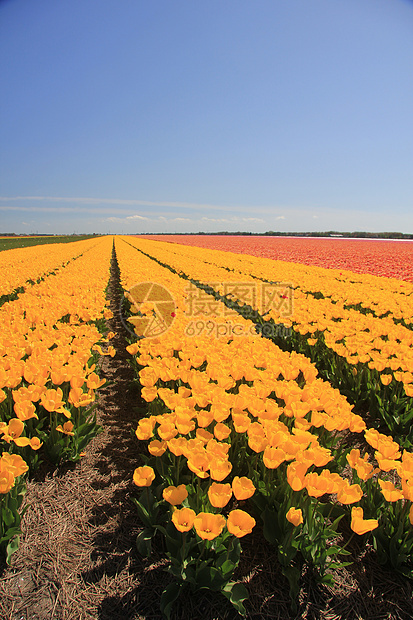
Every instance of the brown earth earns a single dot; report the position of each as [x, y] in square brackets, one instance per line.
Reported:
[78, 561]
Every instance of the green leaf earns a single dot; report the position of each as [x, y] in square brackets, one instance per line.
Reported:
[236, 593]
[209, 578]
[8, 517]
[168, 598]
[271, 530]
[227, 568]
[293, 575]
[11, 548]
[143, 513]
[144, 542]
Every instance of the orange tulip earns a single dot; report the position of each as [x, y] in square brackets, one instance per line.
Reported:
[177, 445]
[35, 443]
[145, 428]
[94, 382]
[199, 463]
[157, 448]
[359, 525]
[14, 463]
[391, 494]
[67, 428]
[220, 469]
[167, 431]
[295, 516]
[143, 476]
[149, 393]
[6, 480]
[316, 485]
[175, 495]
[203, 435]
[25, 410]
[273, 457]
[240, 523]
[296, 472]
[386, 379]
[219, 494]
[208, 526]
[349, 493]
[183, 519]
[217, 449]
[221, 431]
[242, 488]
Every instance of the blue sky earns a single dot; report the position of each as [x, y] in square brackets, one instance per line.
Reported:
[185, 116]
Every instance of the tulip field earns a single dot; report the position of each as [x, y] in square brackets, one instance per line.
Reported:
[276, 397]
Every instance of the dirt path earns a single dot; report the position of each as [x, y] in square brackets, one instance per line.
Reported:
[77, 559]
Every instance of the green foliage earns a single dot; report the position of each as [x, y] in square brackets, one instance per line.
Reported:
[10, 518]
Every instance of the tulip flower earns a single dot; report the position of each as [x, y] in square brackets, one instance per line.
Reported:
[6, 480]
[359, 525]
[240, 523]
[295, 516]
[219, 494]
[243, 488]
[143, 476]
[175, 495]
[208, 526]
[67, 428]
[391, 494]
[157, 448]
[183, 519]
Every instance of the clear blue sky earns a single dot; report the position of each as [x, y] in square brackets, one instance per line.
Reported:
[188, 115]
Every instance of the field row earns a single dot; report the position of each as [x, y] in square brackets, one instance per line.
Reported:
[278, 396]
[50, 343]
[388, 258]
[368, 356]
[240, 431]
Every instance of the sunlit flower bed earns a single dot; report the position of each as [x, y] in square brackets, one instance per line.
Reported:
[50, 340]
[21, 265]
[240, 433]
[387, 257]
[368, 357]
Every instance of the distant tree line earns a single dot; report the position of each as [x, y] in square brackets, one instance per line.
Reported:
[328, 233]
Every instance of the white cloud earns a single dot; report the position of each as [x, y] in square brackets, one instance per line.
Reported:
[129, 203]
[253, 219]
[137, 217]
[212, 219]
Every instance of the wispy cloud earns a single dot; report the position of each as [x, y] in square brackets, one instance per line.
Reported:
[253, 219]
[121, 202]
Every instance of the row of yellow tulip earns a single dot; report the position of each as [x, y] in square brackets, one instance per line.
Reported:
[379, 342]
[360, 354]
[47, 378]
[235, 408]
[20, 265]
[380, 295]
